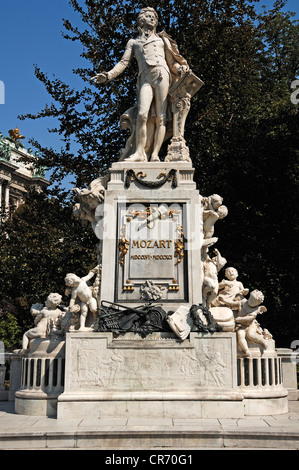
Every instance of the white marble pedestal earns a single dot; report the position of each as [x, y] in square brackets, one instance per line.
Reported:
[158, 376]
[150, 228]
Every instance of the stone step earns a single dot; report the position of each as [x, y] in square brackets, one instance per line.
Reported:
[254, 432]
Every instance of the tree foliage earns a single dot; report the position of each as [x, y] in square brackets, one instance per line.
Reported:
[242, 129]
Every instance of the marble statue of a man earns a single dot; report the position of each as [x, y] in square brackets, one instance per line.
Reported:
[160, 65]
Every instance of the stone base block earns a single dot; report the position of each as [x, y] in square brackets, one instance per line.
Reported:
[265, 406]
[36, 407]
[157, 376]
[180, 409]
[293, 395]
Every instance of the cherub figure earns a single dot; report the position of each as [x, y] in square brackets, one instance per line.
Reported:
[247, 328]
[15, 134]
[213, 210]
[211, 267]
[212, 202]
[45, 320]
[79, 289]
[230, 289]
[89, 199]
[211, 216]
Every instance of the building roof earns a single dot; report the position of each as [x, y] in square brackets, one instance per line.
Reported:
[15, 159]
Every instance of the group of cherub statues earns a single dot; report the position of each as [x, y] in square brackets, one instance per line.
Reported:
[55, 319]
[226, 300]
[234, 312]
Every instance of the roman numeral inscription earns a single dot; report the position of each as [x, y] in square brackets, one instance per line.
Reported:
[151, 247]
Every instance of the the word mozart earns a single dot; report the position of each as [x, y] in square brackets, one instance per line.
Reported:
[151, 243]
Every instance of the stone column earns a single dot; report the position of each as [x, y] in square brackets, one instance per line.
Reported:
[289, 361]
[3, 392]
[15, 374]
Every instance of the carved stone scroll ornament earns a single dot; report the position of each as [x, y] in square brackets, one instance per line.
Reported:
[163, 178]
[180, 95]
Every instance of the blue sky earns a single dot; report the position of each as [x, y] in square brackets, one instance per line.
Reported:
[30, 34]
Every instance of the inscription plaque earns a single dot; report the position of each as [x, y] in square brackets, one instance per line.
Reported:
[151, 255]
[150, 246]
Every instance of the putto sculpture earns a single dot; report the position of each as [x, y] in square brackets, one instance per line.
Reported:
[82, 293]
[88, 200]
[45, 319]
[164, 79]
[213, 210]
[230, 289]
[211, 267]
[247, 328]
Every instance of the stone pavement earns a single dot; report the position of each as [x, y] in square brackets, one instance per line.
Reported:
[255, 432]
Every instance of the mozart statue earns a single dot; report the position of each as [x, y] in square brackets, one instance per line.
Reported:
[160, 67]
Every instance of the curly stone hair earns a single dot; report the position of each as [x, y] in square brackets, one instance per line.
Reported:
[142, 13]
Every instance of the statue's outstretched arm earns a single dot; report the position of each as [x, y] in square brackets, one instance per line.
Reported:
[105, 77]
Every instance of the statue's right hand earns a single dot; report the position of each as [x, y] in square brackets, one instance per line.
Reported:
[100, 77]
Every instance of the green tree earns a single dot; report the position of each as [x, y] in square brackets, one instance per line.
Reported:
[242, 129]
[10, 331]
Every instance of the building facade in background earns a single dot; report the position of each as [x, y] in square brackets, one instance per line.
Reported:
[17, 176]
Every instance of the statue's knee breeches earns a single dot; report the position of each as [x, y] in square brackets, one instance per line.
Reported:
[161, 120]
[142, 117]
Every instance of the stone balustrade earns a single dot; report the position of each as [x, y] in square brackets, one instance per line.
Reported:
[43, 374]
[263, 379]
[42, 378]
[259, 372]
